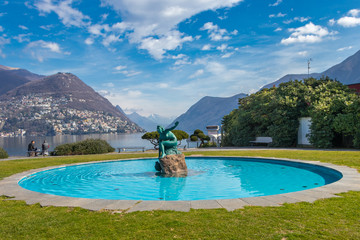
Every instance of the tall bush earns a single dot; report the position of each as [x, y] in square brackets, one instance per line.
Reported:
[89, 146]
[3, 153]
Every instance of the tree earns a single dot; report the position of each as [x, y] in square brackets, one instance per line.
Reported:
[153, 137]
[199, 135]
[274, 112]
[180, 135]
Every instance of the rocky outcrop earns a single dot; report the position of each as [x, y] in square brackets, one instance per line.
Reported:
[173, 164]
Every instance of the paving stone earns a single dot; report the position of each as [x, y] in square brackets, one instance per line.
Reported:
[121, 204]
[300, 197]
[94, 204]
[232, 204]
[280, 199]
[260, 201]
[181, 206]
[318, 194]
[146, 206]
[205, 204]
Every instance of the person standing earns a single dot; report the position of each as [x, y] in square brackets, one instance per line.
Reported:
[45, 148]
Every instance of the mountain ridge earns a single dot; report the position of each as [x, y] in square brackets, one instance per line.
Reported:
[207, 111]
[346, 72]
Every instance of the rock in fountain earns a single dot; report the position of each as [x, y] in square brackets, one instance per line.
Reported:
[171, 161]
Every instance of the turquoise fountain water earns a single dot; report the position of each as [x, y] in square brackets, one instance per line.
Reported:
[208, 178]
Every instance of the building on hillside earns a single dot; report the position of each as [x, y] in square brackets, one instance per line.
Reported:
[213, 133]
[355, 86]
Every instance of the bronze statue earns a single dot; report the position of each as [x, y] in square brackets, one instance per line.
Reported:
[167, 141]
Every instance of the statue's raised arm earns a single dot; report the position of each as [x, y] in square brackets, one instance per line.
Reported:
[172, 128]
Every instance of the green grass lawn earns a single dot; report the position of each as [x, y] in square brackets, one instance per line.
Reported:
[336, 218]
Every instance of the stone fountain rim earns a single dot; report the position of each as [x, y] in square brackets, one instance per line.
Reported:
[349, 182]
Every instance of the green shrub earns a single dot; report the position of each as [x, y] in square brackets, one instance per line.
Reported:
[3, 153]
[209, 144]
[89, 146]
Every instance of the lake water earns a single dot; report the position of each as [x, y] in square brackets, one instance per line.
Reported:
[17, 146]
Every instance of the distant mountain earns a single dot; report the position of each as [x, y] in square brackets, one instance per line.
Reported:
[160, 120]
[9, 81]
[11, 78]
[143, 122]
[207, 111]
[346, 72]
[62, 97]
[148, 123]
[60, 85]
[120, 110]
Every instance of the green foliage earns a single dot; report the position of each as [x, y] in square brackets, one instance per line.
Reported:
[209, 144]
[193, 138]
[153, 137]
[89, 146]
[332, 106]
[198, 134]
[3, 153]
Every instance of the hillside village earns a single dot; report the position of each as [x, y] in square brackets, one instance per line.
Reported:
[37, 114]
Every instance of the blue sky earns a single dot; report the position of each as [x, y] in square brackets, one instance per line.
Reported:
[161, 56]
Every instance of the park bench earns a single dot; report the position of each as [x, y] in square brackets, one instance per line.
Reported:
[33, 153]
[123, 149]
[38, 153]
[262, 140]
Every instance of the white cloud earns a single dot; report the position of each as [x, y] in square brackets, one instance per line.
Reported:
[89, 41]
[41, 49]
[301, 19]
[182, 61]
[158, 46]
[222, 47]
[278, 29]
[23, 37]
[279, 15]
[197, 73]
[344, 48]
[97, 29]
[351, 20]
[1, 29]
[110, 39]
[3, 41]
[104, 16]
[276, 3]
[53, 47]
[297, 19]
[68, 15]
[123, 70]
[23, 27]
[216, 33]
[120, 67]
[151, 27]
[310, 33]
[47, 27]
[227, 55]
[331, 22]
[303, 53]
[206, 47]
